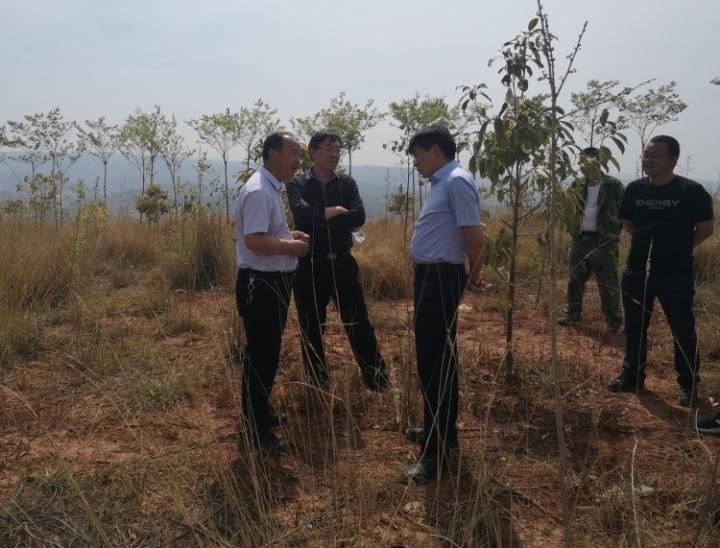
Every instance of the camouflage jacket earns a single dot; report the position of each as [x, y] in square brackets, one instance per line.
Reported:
[609, 199]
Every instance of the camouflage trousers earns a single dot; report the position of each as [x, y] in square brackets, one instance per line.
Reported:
[590, 255]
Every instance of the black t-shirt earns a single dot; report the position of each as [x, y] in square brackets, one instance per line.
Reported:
[664, 219]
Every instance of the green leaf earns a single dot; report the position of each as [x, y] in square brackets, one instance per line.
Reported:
[499, 131]
[604, 117]
[615, 163]
[533, 23]
[619, 144]
[472, 165]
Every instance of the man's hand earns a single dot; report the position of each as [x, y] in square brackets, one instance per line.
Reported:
[334, 211]
[478, 284]
[299, 235]
[703, 231]
[304, 203]
[265, 245]
[296, 248]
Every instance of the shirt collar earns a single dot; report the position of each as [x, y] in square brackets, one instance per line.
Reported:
[440, 174]
[309, 174]
[277, 185]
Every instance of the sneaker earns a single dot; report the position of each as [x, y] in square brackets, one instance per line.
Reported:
[626, 382]
[416, 435]
[423, 470]
[568, 319]
[268, 442]
[427, 468]
[687, 395]
[709, 426]
[276, 419]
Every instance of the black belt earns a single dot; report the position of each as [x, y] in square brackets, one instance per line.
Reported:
[330, 255]
[271, 275]
[439, 267]
[587, 233]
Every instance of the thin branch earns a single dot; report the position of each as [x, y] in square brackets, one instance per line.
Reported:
[626, 91]
[572, 58]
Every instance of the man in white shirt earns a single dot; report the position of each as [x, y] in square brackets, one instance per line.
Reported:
[267, 253]
[594, 248]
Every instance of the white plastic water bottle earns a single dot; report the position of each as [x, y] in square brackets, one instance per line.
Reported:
[357, 234]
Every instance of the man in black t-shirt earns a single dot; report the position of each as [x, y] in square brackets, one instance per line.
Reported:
[667, 216]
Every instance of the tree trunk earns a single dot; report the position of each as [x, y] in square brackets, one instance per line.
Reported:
[174, 185]
[509, 354]
[105, 167]
[227, 192]
[407, 203]
[413, 195]
[387, 193]
[559, 422]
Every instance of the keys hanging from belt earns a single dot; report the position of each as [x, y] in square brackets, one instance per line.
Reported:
[250, 288]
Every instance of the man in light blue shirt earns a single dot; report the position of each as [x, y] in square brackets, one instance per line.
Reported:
[448, 235]
[266, 252]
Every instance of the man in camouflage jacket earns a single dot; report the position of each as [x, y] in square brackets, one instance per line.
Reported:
[594, 248]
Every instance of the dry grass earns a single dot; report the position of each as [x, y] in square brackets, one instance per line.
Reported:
[119, 399]
[40, 268]
[385, 269]
[203, 258]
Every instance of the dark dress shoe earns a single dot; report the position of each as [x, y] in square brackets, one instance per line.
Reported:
[626, 382]
[416, 435]
[568, 319]
[268, 442]
[276, 419]
[686, 396]
[423, 470]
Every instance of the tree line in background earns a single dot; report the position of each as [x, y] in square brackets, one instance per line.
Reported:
[49, 144]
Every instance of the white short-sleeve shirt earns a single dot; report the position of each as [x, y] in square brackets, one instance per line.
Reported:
[259, 210]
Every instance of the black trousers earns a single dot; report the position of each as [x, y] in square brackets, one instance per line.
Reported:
[675, 293]
[262, 301]
[319, 279]
[438, 289]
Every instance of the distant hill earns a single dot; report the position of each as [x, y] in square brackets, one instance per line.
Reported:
[374, 182]
[124, 180]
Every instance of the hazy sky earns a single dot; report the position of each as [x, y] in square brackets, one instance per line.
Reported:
[94, 58]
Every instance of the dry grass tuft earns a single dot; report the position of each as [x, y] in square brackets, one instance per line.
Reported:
[39, 268]
[126, 243]
[204, 258]
[386, 272]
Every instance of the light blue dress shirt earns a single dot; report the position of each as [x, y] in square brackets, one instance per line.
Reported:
[259, 210]
[453, 202]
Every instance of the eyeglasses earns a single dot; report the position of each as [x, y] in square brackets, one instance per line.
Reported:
[336, 150]
[653, 156]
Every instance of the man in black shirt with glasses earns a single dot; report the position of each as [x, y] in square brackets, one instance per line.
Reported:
[327, 205]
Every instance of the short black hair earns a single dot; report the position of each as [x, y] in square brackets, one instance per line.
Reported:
[275, 141]
[673, 147]
[434, 135]
[323, 136]
[590, 152]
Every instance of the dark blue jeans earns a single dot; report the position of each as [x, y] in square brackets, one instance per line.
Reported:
[675, 292]
[437, 292]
